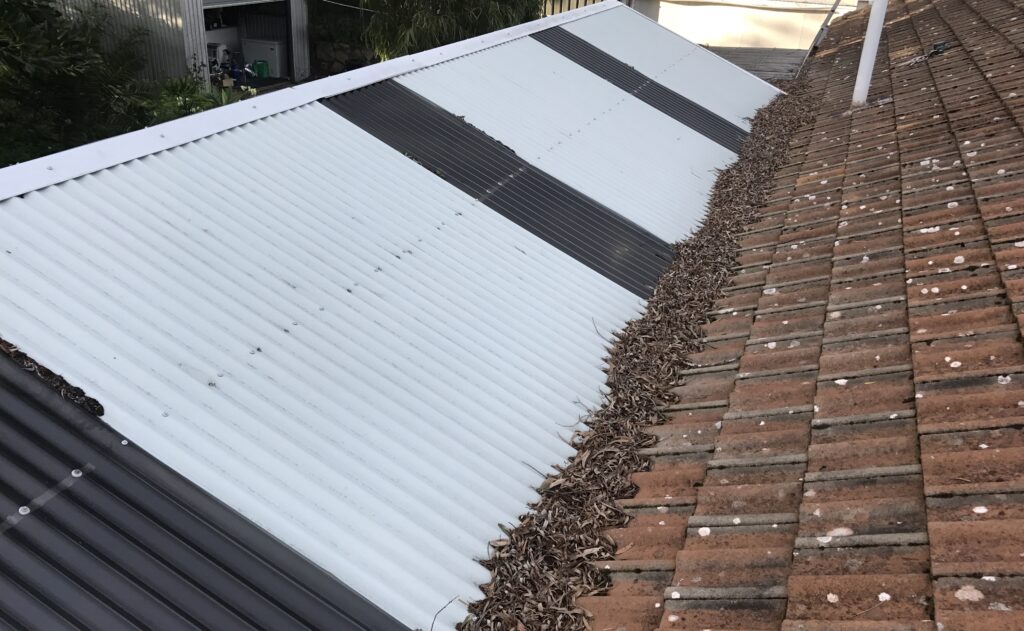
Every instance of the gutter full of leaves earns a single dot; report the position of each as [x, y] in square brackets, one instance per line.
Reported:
[546, 562]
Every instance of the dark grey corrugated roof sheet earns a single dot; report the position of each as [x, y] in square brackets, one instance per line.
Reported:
[96, 534]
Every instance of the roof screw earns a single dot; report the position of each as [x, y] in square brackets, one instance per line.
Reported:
[24, 510]
[124, 442]
[76, 473]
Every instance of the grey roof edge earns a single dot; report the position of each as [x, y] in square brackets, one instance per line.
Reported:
[25, 177]
[292, 583]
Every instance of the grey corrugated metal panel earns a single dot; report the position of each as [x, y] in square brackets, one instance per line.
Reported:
[766, 63]
[484, 168]
[162, 22]
[628, 78]
[354, 354]
[112, 539]
[212, 4]
[264, 26]
[193, 34]
[299, 26]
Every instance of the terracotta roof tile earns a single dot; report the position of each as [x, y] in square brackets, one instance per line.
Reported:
[863, 463]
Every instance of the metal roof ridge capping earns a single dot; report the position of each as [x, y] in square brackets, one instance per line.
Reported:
[305, 303]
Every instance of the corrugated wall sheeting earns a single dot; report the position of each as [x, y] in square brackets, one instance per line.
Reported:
[98, 535]
[680, 65]
[339, 345]
[299, 28]
[194, 34]
[162, 20]
[583, 130]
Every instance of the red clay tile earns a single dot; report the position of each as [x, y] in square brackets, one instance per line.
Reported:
[703, 388]
[959, 319]
[750, 615]
[982, 461]
[784, 355]
[868, 245]
[649, 537]
[869, 487]
[787, 324]
[909, 597]
[720, 352]
[751, 567]
[967, 404]
[670, 483]
[866, 560]
[625, 613]
[867, 291]
[770, 443]
[863, 445]
[727, 325]
[793, 296]
[883, 318]
[794, 253]
[845, 359]
[771, 474]
[882, 515]
[978, 355]
[973, 548]
[969, 604]
[880, 394]
[772, 393]
[748, 499]
[960, 508]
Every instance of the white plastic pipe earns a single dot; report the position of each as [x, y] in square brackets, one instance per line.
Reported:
[867, 54]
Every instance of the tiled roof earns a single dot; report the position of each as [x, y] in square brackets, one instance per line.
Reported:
[847, 451]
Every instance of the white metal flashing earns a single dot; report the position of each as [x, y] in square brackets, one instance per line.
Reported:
[35, 174]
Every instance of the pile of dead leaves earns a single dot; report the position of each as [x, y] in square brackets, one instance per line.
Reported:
[545, 562]
[55, 381]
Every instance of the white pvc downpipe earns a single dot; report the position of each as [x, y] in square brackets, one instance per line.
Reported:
[869, 51]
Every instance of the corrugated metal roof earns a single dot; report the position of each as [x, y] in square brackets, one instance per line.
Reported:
[351, 352]
[583, 130]
[352, 365]
[99, 535]
[626, 77]
[490, 172]
[678, 64]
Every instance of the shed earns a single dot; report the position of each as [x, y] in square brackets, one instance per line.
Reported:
[182, 35]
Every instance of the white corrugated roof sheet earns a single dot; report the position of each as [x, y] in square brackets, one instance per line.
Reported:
[674, 61]
[333, 340]
[583, 130]
[371, 372]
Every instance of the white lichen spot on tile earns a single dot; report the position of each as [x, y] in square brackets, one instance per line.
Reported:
[969, 593]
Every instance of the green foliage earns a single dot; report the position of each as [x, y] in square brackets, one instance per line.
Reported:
[402, 27]
[64, 83]
[60, 84]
